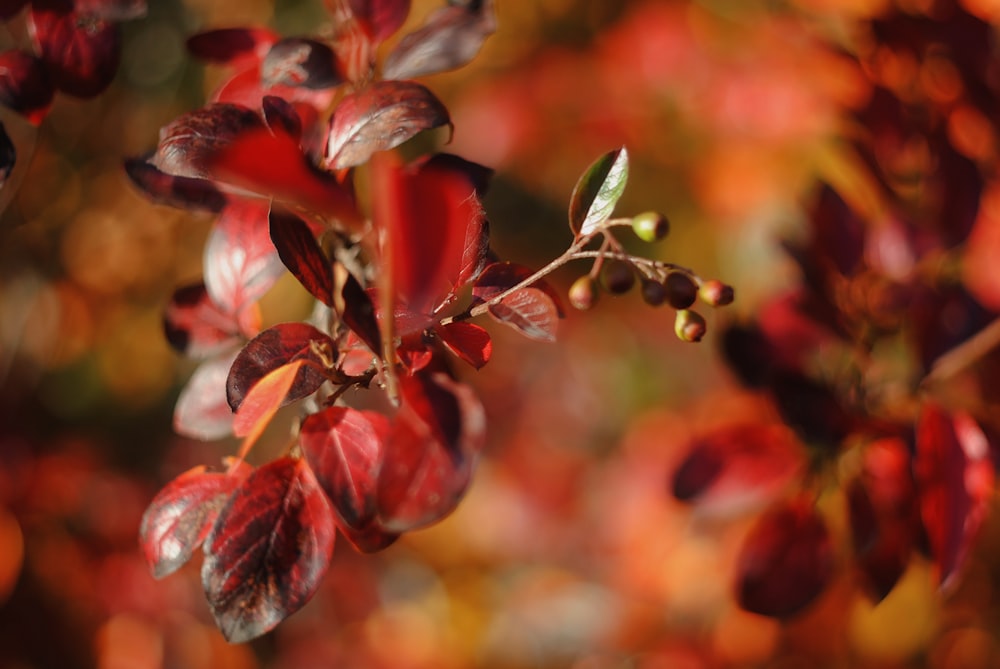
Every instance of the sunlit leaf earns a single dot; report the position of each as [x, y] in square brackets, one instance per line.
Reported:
[263, 400]
[468, 341]
[344, 447]
[300, 252]
[269, 549]
[274, 348]
[240, 262]
[202, 410]
[449, 38]
[598, 191]
[380, 117]
[182, 514]
[786, 561]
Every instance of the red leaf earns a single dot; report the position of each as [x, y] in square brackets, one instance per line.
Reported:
[112, 10]
[269, 549]
[174, 191]
[263, 401]
[281, 116]
[369, 539]
[25, 86]
[955, 484]
[501, 276]
[229, 45]
[469, 342]
[301, 254]
[738, 467]
[196, 326]
[530, 311]
[274, 165]
[202, 411]
[80, 51]
[344, 447]
[190, 144]
[274, 348]
[182, 514]
[449, 38]
[786, 560]
[241, 263]
[355, 308]
[296, 61]
[381, 18]
[380, 117]
[435, 227]
[430, 453]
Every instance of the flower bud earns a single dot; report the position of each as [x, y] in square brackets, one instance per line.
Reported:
[654, 293]
[583, 293]
[715, 293]
[681, 290]
[650, 226]
[689, 325]
[618, 277]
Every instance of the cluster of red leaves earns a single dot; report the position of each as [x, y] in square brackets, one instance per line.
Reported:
[279, 171]
[909, 450]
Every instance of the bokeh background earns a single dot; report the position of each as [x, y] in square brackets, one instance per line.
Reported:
[568, 550]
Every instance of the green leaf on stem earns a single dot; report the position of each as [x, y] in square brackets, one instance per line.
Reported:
[598, 191]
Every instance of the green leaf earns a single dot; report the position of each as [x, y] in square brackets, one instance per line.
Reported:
[597, 192]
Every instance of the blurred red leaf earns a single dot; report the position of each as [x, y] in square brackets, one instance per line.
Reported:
[370, 538]
[202, 410]
[737, 467]
[81, 51]
[786, 560]
[380, 117]
[344, 447]
[530, 311]
[241, 263]
[9, 8]
[469, 342]
[269, 549]
[174, 191]
[229, 45]
[112, 10]
[182, 514]
[435, 227]
[381, 18]
[198, 327]
[300, 252]
[954, 483]
[25, 85]
[449, 38]
[275, 348]
[430, 453]
[263, 400]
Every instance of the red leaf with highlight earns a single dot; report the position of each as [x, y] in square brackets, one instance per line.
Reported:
[469, 342]
[786, 560]
[269, 549]
[189, 145]
[430, 453]
[264, 399]
[274, 348]
[344, 447]
[300, 252]
[182, 514]
[955, 485]
[196, 326]
[530, 311]
[241, 264]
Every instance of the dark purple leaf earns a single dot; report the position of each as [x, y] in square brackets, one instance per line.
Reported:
[182, 514]
[812, 409]
[296, 61]
[202, 411]
[280, 116]
[276, 347]
[355, 308]
[269, 549]
[81, 51]
[380, 117]
[344, 447]
[786, 560]
[241, 263]
[449, 38]
[381, 18]
[8, 156]
[431, 451]
[190, 143]
[469, 342]
[25, 86]
[299, 251]
[174, 191]
[229, 45]
[198, 327]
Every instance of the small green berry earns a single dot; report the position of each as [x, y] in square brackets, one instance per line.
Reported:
[618, 277]
[715, 293]
[654, 293]
[681, 290]
[583, 293]
[650, 226]
[689, 325]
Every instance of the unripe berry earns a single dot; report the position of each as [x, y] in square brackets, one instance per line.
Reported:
[715, 293]
[650, 226]
[583, 293]
[654, 293]
[689, 325]
[681, 290]
[618, 277]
